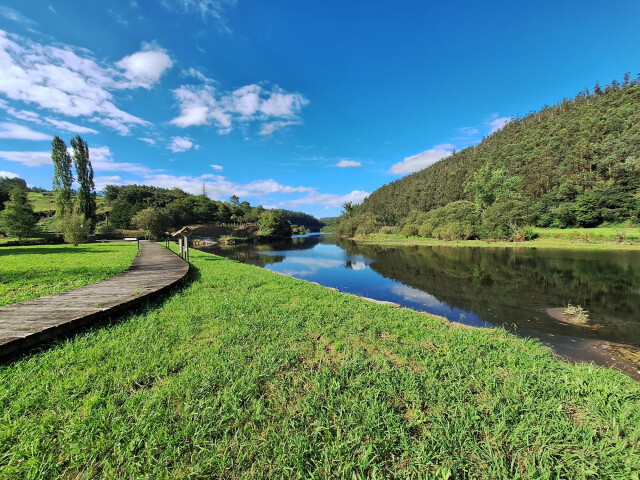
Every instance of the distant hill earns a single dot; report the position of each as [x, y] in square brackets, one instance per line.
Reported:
[575, 163]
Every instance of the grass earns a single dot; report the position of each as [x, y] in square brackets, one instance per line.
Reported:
[576, 314]
[31, 272]
[45, 202]
[601, 238]
[244, 373]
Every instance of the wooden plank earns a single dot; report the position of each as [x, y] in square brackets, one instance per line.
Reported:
[25, 324]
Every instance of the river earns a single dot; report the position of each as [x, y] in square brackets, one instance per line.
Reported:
[523, 290]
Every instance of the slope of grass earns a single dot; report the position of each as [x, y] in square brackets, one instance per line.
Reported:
[31, 272]
[45, 202]
[244, 373]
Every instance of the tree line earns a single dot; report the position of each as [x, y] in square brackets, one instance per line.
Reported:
[576, 163]
[152, 209]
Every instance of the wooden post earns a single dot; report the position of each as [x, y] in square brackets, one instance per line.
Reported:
[180, 246]
[186, 248]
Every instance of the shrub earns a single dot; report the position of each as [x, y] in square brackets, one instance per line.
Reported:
[155, 222]
[503, 219]
[75, 228]
[454, 230]
[387, 230]
[410, 230]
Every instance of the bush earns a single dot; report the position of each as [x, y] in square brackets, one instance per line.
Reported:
[454, 230]
[153, 221]
[368, 224]
[75, 228]
[387, 230]
[410, 230]
[503, 219]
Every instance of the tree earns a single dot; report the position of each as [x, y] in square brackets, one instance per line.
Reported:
[75, 227]
[273, 224]
[154, 221]
[17, 218]
[62, 177]
[6, 185]
[84, 172]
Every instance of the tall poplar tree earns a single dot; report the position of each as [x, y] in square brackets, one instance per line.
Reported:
[84, 172]
[63, 177]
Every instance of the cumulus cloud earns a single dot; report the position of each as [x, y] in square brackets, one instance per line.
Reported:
[348, 163]
[217, 167]
[329, 199]
[102, 161]
[272, 108]
[497, 124]
[30, 159]
[20, 132]
[422, 160]
[4, 173]
[181, 144]
[64, 80]
[149, 141]
[144, 68]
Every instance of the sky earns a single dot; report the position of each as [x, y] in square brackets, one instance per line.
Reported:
[302, 105]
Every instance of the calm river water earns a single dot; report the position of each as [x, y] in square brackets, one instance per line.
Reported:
[521, 289]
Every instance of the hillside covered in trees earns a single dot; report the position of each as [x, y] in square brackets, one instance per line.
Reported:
[572, 164]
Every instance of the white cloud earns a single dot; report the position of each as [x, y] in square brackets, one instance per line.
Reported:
[4, 173]
[415, 295]
[348, 163]
[194, 72]
[63, 81]
[469, 131]
[102, 161]
[329, 199]
[69, 127]
[273, 109]
[217, 167]
[150, 141]
[207, 9]
[144, 68]
[181, 144]
[20, 132]
[422, 160]
[15, 16]
[497, 124]
[30, 159]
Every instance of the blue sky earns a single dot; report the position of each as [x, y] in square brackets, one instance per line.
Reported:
[294, 104]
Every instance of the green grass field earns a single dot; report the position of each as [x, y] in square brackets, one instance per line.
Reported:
[45, 202]
[31, 272]
[244, 373]
[601, 238]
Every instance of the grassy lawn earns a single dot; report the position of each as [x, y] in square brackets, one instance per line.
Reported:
[244, 373]
[602, 238]
[31, 272]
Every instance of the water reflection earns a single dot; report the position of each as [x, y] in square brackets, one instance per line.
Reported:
[512, 287]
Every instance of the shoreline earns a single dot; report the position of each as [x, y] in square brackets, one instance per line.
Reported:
[547, 243]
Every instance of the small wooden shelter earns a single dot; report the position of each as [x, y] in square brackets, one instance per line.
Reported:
[183, 242]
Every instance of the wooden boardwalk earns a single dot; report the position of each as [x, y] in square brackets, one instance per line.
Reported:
[25, 324]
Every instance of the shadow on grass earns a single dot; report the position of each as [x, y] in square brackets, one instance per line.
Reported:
[110, 318]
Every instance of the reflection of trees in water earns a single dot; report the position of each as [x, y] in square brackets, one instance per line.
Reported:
[515, 286]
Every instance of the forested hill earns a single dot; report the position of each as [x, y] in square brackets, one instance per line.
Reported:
[575, 163]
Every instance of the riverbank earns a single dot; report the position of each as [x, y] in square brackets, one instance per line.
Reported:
[574, 238]
[246, 373]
